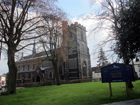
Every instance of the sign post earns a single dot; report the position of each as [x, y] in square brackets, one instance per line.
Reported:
[127, 89]
[110, 89]
[117, 73]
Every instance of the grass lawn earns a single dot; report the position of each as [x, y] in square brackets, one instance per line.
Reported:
[91, 93]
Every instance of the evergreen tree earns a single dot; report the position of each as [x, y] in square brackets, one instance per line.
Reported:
[102, 60]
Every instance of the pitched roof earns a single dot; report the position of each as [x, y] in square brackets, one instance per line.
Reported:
[96, 69]
[40, 54]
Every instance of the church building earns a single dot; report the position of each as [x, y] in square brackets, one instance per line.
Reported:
[34, 68]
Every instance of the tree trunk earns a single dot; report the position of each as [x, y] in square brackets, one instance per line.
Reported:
[130, 85]
[56, 71]
[12, 76]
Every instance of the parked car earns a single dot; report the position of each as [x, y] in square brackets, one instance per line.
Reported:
[0, 86]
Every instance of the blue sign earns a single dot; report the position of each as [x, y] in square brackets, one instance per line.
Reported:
[117, 73]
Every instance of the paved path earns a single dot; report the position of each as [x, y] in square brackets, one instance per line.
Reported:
[3, 89]
[129, 102]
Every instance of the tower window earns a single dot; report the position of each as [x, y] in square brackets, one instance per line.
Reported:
[82, 37]
[84, 69]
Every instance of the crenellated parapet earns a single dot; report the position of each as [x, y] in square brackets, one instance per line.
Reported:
[76, 24]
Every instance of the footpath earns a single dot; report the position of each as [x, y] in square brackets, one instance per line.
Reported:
[4, 89]
[129, 102]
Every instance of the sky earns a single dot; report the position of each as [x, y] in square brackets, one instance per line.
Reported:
[75, 8]
[78, 11]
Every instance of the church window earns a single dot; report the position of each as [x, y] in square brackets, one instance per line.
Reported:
[28, 67]
[23, 68]
[50, 75]
[72, 63]
[19, 68]
[82, 37]
[29, 75]
[60, 69]
[84, 66]
[34, 66]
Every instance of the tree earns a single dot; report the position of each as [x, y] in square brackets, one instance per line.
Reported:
[127, 31]
[54, 42]
[123, 14]
[102, 60]
[18, 27]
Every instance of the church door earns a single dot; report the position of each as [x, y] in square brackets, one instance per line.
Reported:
[37, 79]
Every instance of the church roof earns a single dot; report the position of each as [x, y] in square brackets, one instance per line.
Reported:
[35, 55]
[25, 71]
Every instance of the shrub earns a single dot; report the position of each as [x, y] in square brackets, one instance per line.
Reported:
[33, 84]
[47, 82]
[63, 81]
[4, 93]
[81, 80]
[75, 81]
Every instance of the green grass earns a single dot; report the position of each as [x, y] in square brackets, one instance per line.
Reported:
[91, 93]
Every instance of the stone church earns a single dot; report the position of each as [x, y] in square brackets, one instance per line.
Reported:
[33, 68]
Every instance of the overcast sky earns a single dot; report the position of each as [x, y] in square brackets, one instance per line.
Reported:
[79, 11]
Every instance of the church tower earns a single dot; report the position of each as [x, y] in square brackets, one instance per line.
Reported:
[79, 58]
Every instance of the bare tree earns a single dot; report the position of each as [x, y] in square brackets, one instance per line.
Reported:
[110, 13]
[18, 25]
[54, 42]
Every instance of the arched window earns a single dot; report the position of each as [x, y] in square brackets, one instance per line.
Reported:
[50, 74]
[84, 66]
[82, 37]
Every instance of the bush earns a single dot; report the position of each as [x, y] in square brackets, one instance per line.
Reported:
[81, 80]
[47, 82]
[97, 79]
[4, 93]
[86, 80]
[75, 81]
[63, 82]
[33, 84]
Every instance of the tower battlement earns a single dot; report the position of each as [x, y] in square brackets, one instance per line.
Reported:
[79, 25]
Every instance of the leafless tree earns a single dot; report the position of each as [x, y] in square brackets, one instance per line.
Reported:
[110, 11]
[19, 24]
[54, 42]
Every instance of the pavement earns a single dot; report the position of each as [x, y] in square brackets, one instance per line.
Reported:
[4, 89]
[129, 102]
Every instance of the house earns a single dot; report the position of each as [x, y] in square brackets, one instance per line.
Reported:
[96, 73]
[137, 68]
[3, 79]
[34, 68]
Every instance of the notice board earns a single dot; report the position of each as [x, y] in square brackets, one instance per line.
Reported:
[117, 72]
